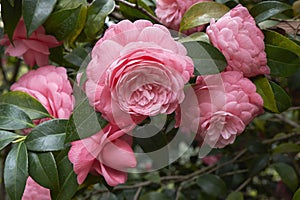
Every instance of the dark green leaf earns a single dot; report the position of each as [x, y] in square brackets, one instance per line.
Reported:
[287, 174]
[48, 136]
[264, 88]
[282, 62]
[6, 138]
[283, 101]
[212, 185]
[16, 171]
[134, 14]
[207, 59]
[12, 2]
[195, 37]
[154, 196]
[33, 108]
[96, 15]
[266, 9]
[35, 13]
[77, 56]
[287, 148]
[11, 15]
[235, 196]
[258, 163]
[296, 195]
[276, 39]
[201, 13]
[43, 169]
[61, 23]
[13, 118]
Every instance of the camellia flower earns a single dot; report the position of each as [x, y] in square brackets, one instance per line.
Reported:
[137, 69]
[34, 49]
[227, 103]
[170, 12]
[51, 87]
[241, 41]
[105, 153]
[35, 191]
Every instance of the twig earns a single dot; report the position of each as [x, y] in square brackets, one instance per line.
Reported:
[280, 138]
[138, 7]
[234, 172]
[287, 120]
[244, 184]
[3, 71]
[137, 194]
[16, 71]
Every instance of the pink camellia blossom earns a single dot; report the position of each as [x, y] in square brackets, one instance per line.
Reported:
[35, 191]
[137, 70]
[51, 87]
[170, 12]
[34, 49]
[241, 41]
[106, 153]
[227, 103]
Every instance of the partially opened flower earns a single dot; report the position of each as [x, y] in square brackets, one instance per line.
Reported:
[35, 191]
[241, 41]
[137, 70]
[33, 49]
[105, 153]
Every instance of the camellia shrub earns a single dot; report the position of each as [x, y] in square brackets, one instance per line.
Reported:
[145, 99]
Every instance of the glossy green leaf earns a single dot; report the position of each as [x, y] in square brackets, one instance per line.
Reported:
[16, 171]
[35, 13]
[212, 185]
[201, 13]
[266, 9]
[33, 108]
[195, 37]
[48, 136]
[133, 13]
[62, 22]
[43, 169]
[96, 15]
[287, 174]
[287, 148]
[283, 101]
[6, 138]
[11, 15]
[276, 39]
[235, 196]
[207, 59]
[154, 196]
[13, 118]
[264, 88]
[67, 179]
[297, 195]
[258, 163]
[77, 56]
[282, 62]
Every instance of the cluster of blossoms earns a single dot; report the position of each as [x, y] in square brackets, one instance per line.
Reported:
[137, 70]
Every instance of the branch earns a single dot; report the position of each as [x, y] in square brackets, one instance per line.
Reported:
[3, 71]
[138, 7]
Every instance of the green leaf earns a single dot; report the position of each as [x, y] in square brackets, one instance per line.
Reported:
[282, 62]
[283, 101]
[296, 195]
[96, 15]
[276, 39]
[287, 174]
[6, 138]
[201, 13]
[77, 56]
[62, 22]
[264, 88]
[11, 15]
[212, 185]
[13, 118]
[207, 59]
[67, 179]
[133, 13]
[12, 2]
[235, 196]
[287, 148]
[35, 13]
[48, 136]
[16, 171]
[154, 196]
[198, 36]
[33, 108]
[43, 169]
[266, 9]
[258, 163]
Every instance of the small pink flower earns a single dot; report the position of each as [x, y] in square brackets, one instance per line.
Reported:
[211, 160]
[35, 191]
[170, 12]
[137, 70]
[227, 103]
[51, 87]
[34, 49]
[241, 41]
[105, 153]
